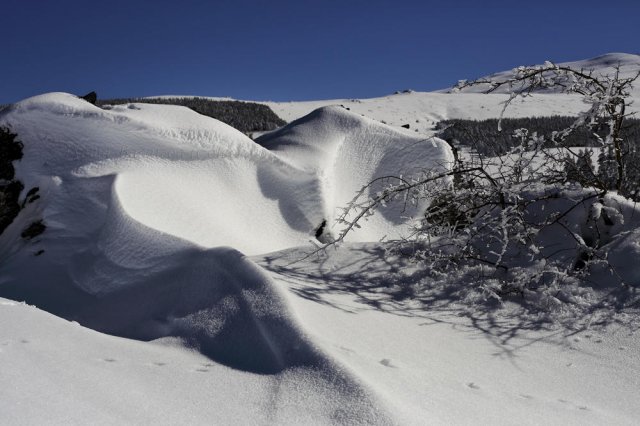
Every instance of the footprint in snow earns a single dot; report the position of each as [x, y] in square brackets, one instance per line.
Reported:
[159, 364]
[472, 385]
[202, 370]
[387, 363]
[108, 360]
[579, 407]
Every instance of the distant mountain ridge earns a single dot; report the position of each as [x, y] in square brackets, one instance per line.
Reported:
[600, 65]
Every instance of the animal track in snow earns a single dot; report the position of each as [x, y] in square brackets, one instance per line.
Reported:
[387, 363]
[579, 407]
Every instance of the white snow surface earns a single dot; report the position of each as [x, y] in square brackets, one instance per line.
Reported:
[422, 110]
[157, 315]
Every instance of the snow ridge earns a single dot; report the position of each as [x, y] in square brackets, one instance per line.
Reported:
[143, 204]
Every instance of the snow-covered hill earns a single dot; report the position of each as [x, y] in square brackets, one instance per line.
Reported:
[421, 110]
[628, 64]
[152, 212]
[142, 205]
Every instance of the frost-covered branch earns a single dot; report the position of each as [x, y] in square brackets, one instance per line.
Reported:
[531, 220]
[608, 97]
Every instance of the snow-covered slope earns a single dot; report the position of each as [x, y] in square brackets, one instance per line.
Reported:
[438, 363]
[441, 365]
[151, 211]
[344, 151]
[136, 194]
[57, 372]
[629, 66]
[142, 205]
[197, 179]
[421, 110]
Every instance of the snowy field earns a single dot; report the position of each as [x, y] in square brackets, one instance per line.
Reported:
[173, 283]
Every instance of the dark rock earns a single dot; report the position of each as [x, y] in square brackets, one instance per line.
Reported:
[33, 230]
[406, 126]
[91, 97]
[31, 196]
[320, 229]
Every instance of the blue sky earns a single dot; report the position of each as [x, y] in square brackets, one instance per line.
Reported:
[292, 50]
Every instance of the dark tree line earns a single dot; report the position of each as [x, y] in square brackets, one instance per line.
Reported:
[486, 139]
[244, 116]
[602, 172]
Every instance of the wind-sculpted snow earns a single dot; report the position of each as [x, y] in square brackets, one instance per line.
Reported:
[200, 180]
[136, 199]
[150, 210]
[68, 374]
[346, 151]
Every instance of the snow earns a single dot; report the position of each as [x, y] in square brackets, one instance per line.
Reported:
[600, 66]
[441, 364]
[422, 110]
[57, 372]
[172, 284]
[344, 151]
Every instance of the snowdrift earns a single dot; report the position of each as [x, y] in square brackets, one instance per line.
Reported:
[137, 197]
[57, 372]
[150, 210]
[344, 151]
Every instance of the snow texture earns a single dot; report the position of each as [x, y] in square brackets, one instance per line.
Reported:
[156, 314]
